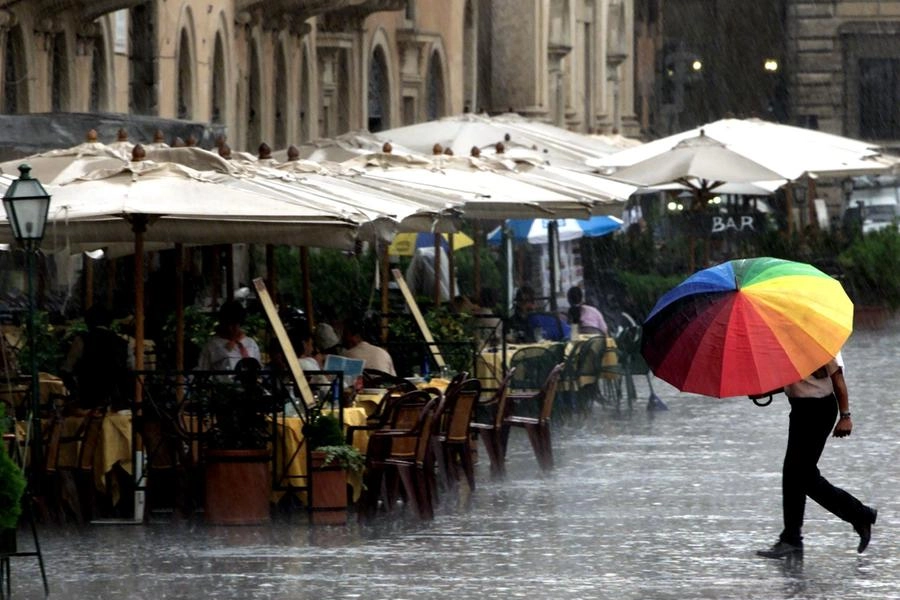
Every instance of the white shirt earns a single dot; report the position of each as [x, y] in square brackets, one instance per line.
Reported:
[221, 354]
[375, 357]
[816, 387]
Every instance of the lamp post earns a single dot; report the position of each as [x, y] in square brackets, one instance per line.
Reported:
[26, 203]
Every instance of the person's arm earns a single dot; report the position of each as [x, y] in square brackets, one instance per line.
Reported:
[844, 426]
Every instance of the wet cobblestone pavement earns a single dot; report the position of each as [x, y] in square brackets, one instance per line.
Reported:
[667, 505]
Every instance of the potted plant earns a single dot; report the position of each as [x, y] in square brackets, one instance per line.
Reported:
[237, 473]
[12, 488]
[331, 459]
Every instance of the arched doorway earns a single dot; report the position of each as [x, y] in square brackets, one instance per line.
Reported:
[379, 92]
[254, 106]
[99, 99]
[470, 53]
[142, 64]
[281, 103]
[217, 100]
[434, 108]
[15, 84]
[185, 77]
[59, 86]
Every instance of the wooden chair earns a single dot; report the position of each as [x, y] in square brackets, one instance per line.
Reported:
[495, 433]
[76, 481]
[538, 428]
[452, 431]
[402, 448]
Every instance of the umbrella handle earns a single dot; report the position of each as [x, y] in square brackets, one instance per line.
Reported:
[761, 402]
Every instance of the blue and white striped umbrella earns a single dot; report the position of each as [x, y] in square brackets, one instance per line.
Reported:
[534, 231]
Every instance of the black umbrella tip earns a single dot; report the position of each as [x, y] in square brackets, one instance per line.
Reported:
[655, 403]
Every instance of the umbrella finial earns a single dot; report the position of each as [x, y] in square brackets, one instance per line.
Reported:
[702, 133]
[159, 137]
[138, 153]
[225, 151]
[499, 148]
[91, 136]
[475, 151]
[264, 151]
[437, 149]
[293, 153]
[448, 151]
[506, 137]
[191, 141]
[121, 135]
[387, 148]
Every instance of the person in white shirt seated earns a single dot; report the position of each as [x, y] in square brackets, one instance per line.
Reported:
[229, 345]
[356, 347]
[588, 318]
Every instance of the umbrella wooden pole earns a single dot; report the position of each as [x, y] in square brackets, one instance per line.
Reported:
[384, 263]
[307, 290]
[451, 267]
[476, 263]
[87, 264]
[789, 207]
[271, 275]
[229, 272]
[179, 308]
[553, 252]
[811, 194]
[139, 226]
[437, 270]
[216, 276]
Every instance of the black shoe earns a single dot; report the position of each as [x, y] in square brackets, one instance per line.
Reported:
[782, 550]
[865, 530]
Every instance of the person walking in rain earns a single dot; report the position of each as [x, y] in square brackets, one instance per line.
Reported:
[816, 402]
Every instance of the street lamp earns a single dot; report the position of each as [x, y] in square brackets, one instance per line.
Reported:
[26, 203]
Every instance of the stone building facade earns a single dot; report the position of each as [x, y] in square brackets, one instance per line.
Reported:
[284, 71]
[844, 59]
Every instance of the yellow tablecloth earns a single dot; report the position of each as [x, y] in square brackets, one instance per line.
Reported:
[489, 365]
[290, 455]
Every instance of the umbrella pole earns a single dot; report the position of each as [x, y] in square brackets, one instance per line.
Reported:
[139, 226]
[229, 272]
[476, 262]
[451, 267]
[384, 262]
[87, 267]
[307, 291]
[179, 308]
[553, 252]
[437, 268]
[272, 283]
[811, 194]
[789, 207]
[216, 275]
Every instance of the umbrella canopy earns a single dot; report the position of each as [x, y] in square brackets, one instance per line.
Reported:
[406, 244]
[790, 151]
[534, 231]
[746, 327]
[699, 162]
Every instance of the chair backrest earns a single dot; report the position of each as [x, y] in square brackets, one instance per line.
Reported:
[532, 364]
[548, 392]
[502, 398]
[456, 412]
[374, 378]
[425, 427]
[405, 414]
[90, 440]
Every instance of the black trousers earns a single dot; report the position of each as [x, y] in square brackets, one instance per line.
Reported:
[811, 422]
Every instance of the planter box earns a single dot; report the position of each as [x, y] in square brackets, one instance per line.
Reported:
[328, 501]
[238, 487]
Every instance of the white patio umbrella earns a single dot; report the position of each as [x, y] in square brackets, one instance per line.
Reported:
[792, 152]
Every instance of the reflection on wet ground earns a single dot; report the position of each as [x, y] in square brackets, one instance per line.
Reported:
[648, 505]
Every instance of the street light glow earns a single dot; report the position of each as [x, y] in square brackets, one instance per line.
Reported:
[770, 65]
[697, 65]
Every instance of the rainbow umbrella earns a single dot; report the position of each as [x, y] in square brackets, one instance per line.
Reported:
[746, 327]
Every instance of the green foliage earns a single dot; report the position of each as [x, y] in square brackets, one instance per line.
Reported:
[643, 290]
[345, 456]
[237, 412]
[871, 267]
[48, 344]
[451, 331]
[199, 326]
[12, 485]
[322, 430]
[490, 267]
[341, 284]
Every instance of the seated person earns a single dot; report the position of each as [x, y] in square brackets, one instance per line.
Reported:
[487, 325]
[327, 341]
[588, 318]
[547, 326]
[520, 330]
[356, 347]
[96, 366]
[229, 345]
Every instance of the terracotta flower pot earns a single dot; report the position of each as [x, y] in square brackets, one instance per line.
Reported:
[328, 505]
[238, 487]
